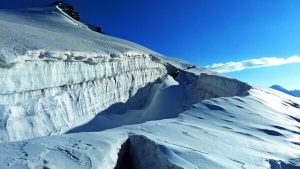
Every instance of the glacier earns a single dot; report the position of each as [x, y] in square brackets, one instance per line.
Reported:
[46, 84]
[72, 97]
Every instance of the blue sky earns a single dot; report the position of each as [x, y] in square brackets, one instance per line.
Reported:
[204, 31]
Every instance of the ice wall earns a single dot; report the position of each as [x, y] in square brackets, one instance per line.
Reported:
[206, 86]
[41, 98]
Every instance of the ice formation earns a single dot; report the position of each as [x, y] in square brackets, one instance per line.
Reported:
[127, 106]
[54, 71]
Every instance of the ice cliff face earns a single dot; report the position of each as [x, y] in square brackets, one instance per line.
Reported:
[211, 86]
[128, 106]
[61, 93]
[57, 73]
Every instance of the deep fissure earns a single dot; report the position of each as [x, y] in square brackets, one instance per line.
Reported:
[125, 160]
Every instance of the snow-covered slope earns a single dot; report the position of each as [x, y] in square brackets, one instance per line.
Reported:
[54, 71]
[295, 93]
[127, 106]
[261, 130]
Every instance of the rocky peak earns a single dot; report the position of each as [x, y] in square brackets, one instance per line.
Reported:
[68, 9]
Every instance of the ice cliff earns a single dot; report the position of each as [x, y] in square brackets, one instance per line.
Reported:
[57, 73]
[128, 106]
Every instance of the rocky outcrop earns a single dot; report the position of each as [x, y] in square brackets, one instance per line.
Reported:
[68, 9]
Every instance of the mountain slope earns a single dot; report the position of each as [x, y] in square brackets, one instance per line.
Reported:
[295, 93]
[227, 132]
[126, 105]
[56, 71]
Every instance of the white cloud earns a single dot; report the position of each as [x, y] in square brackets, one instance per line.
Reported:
[252, 63]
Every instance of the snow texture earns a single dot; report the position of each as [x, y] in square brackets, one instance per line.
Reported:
[57, 73]
[74, 98]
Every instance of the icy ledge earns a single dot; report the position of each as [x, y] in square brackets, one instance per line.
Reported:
[75, 92]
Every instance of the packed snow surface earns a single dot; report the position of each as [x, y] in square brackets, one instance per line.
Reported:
[74, 98]
[256, 131]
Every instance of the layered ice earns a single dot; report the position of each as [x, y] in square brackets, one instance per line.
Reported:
[127, 106]
[66, 104]
[56, 72]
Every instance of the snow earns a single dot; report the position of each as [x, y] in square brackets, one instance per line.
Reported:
[62, 74]
[295, 93]
[71, 97]
[48, 30]
[226, 132]
[65, 105]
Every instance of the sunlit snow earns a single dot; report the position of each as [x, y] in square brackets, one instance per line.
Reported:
[74, 98]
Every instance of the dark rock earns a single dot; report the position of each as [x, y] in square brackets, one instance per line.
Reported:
[67, 8]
